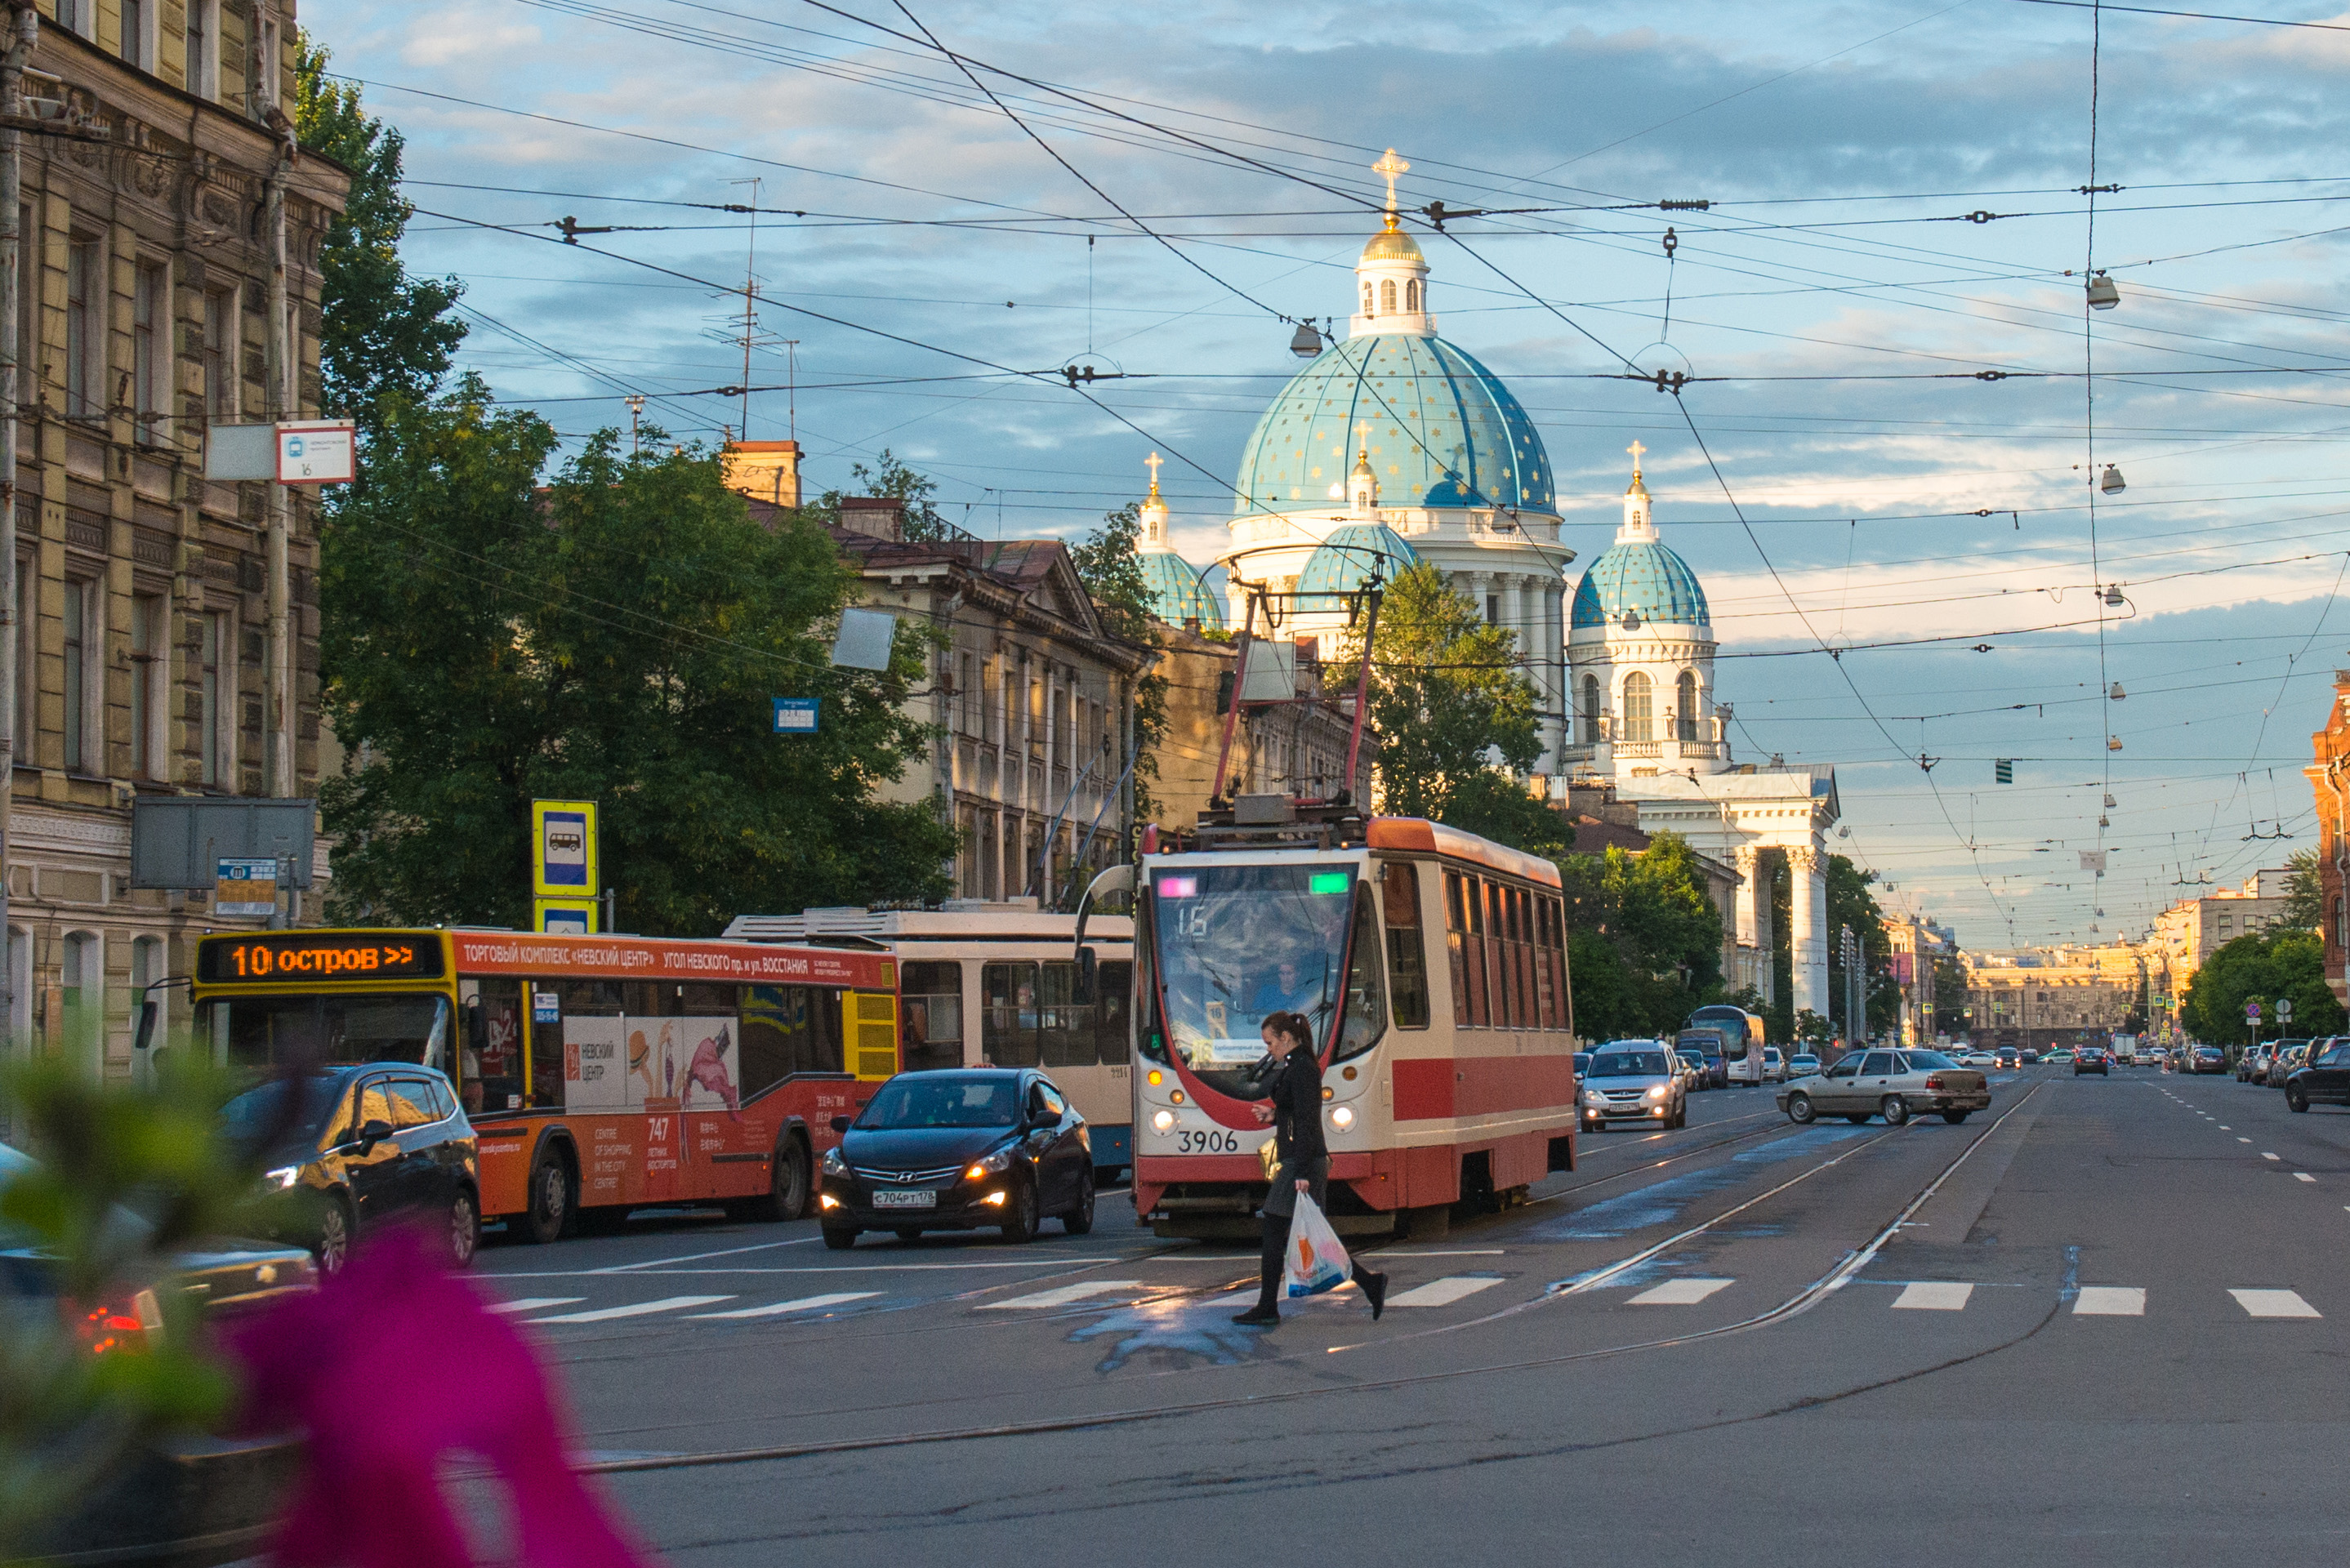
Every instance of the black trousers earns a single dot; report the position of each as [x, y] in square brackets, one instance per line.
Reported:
[1275, 1253]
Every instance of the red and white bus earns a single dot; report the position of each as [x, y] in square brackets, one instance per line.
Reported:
[601, 1074]
[1432, 964]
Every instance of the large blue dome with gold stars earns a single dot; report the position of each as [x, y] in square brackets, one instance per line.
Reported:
[1641, 579]
[1442, 431]
[1177, 594]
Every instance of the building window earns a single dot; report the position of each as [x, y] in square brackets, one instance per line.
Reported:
[1493, 609]
[215, 683]
[1590, 708]
[79, 17]
[151, 666]
[265, 91]
[28, 644]
[1639, 712]
[1368, 308]
[137, 50]
[81, 673]
[84, 982]
[1386, 297]
[83, 338]
[1684, 706]
[220, 354]
[203, 49]
[1411, 295]
[151, 349]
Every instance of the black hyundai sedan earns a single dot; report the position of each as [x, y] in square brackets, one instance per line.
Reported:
[981, 1147]
[358, 1147]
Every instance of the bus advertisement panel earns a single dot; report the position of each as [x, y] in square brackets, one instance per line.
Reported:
[600, 1072]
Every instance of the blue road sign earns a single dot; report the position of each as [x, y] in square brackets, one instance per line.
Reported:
[795, 715]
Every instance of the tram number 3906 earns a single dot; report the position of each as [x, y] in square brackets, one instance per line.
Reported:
[1215, 1140]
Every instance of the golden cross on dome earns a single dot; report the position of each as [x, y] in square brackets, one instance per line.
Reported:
[1635, 448]
[1152, 463]
[1364, 431]
[1390, 166]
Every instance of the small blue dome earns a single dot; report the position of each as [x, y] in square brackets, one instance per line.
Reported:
[1176, 592]
[1640, 578]
[1348, 558]
[1442, 431]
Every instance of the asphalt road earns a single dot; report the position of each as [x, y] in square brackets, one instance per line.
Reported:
[2102, 1322]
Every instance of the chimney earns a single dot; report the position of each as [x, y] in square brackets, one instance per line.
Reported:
[876, 517]
[763, 469]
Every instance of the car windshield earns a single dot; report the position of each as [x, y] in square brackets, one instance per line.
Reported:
[1629, 1064]
[1928, 1060]
[280, 1110]
[1238, 943]
[938, 1100]
[1693, 1058]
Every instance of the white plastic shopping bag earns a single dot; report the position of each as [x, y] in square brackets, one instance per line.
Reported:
[1317, 1262]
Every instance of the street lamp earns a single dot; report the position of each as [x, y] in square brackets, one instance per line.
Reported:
[2103, 294]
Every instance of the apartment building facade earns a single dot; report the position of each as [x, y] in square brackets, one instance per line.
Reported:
[141, 604]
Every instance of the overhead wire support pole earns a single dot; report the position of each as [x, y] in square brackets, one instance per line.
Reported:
[277, 672]
[23, 28]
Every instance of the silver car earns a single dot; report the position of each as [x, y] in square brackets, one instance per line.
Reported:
[1635, 1081]
[1895, 1084]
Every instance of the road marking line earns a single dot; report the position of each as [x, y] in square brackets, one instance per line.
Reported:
[2273, 1303]
[2243, 1140]
[2225, 1127]
[2302, 1175]
[2110, 1301]
[1062, 1295]
[1443, 1291]
[1681, 1293]
[2268, 1157]
[1933, 1296]
[641, 1309]
[533, 1303]
[806, 1303]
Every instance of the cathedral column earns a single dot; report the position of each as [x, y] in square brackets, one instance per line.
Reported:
[1808, 903]
[1766, 940]
[1748, 858]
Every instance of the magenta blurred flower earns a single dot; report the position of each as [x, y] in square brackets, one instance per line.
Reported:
[392, 1364]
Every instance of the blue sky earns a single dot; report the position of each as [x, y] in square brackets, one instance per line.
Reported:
[1843, 147]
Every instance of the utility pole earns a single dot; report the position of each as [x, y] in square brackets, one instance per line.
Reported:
[278, 700]
[24, 27]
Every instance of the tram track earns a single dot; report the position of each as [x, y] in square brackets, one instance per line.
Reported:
[1801, 1300]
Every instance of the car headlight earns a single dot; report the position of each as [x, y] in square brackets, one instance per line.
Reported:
[1594, 1097]
[834, 1165]
[1000, 1160]
[1162, 1121]
[1343, 1117]
[283, 1177]
[1657, 1092]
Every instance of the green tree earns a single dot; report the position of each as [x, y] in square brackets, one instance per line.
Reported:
[385, 333]
[890, 478]
[1645, 938]
[1109, 562]
[1447, 698]
[2263, 966]
[616, 637]
[2304, 893]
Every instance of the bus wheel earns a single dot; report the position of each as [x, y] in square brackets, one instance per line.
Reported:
[790, 1182]
[550, 1198]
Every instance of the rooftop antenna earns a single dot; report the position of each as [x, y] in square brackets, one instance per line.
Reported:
[749, 297]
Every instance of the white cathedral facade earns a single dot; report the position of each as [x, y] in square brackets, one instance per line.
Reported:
[1394, 447]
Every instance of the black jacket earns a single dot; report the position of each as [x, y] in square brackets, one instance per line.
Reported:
[1297, 1109]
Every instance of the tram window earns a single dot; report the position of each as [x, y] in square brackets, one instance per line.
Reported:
[1454, 941]
[1521, 952]
[1546, 960]
[1465, 897]
[492, 1058]
[929, 1015]
[1148, 1039]
[1007, 1018]
[1367, 1003]
[1407, 959]
[1113, 1013]
[1497, 974]
[1065, 1029]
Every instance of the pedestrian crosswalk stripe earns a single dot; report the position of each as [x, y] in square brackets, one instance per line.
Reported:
[1933, 1295]
[2273, 1303]
[2110, 1301]
[2267, 1156]
[1443, 1291]
[534, 1303]
[2302, 1175]
[2243, 1140]
[806, 1303]
[1062, 1295]
[1681, 1293]
[641, 1309]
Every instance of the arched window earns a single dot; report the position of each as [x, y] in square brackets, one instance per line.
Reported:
[1411, 295]
[84, 982]
[1685, 705]
[1369, 308]
[1386, 297]
[1638, 713]
[1590, 708]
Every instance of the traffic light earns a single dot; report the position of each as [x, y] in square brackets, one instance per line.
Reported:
[2003, 770]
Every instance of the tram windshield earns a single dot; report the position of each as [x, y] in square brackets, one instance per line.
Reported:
[1238, 943]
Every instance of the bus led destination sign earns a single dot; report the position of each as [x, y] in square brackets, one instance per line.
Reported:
[302, 955]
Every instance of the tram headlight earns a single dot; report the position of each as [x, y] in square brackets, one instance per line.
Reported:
[1162, 1121]
[1342, 1117]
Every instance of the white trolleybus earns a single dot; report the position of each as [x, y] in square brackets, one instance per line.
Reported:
[1432, 965]
[994, 985]
[1741, 1039]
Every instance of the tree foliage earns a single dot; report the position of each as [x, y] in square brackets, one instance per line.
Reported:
[1109, 562]
[1849, 904]
[616, 637]
[2263, 966]
[2304, 893]
[1447, 699]
[1644, 939]
[385, 333]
